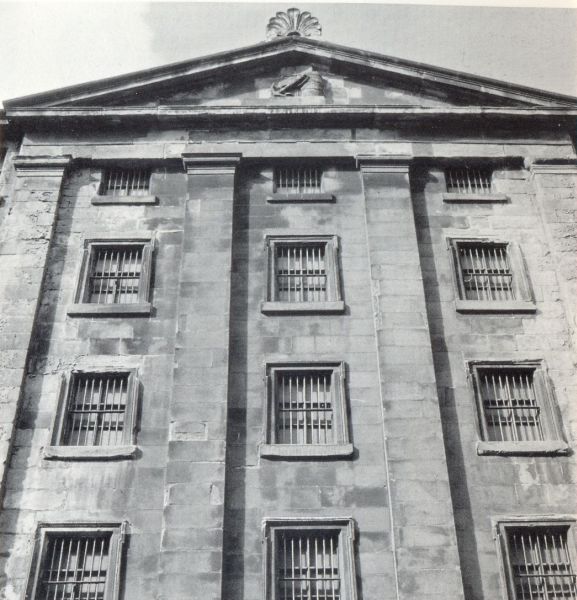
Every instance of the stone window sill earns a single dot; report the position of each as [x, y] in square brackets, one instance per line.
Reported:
[110, 199]
[298, 198]
[480, 306]
[305, 451]
[109, 310]
[544, 448]
[293, 308]
[474, 198]
[89, 452]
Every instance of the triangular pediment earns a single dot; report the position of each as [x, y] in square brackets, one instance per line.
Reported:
[296, 71]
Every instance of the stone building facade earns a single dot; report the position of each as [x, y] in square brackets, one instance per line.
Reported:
[294, 321]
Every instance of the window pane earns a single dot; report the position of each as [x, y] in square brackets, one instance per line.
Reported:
[115, 274]
[304, 408]
[308, 565]
[298, 180]
[541, 564]
[486, 272]
[469, 180]
[126, 182]
[96, 411]
[510, 407]
[300, 273]
[74, 567]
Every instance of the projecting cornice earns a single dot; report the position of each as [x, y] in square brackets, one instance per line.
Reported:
[287, 111]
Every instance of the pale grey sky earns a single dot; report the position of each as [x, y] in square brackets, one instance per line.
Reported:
[49, 45]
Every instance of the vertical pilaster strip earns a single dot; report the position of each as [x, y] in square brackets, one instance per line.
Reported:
[555, 185]
[422, 522]
[192, 543]
[25, 237]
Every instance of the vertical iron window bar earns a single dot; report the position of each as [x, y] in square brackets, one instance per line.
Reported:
[541, 564]
[304, 408]
[96, 413]
[509, 403]
[308, 565]
[115, 275]
[298, 180]
[301, 273]
[469, 180]
[126, 182]
[75, 567]
[485, 271]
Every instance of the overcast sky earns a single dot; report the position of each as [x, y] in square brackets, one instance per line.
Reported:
[49, 45]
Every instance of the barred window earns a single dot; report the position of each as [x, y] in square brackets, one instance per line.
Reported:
[490, 274]
[306, 410]
[540, 562]
[96, 416]
[510, 408]
[115, 277]
[115, 274]
[303, 273]
[98, 410]
[515, 404]
[469, 179]
[300, 272]
[485, 271]
[310, 560]
[125, 182]
[308, 565]
[298, 179]
[76, 563]
[304, 407]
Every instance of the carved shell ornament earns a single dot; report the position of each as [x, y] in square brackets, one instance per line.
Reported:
[293, 22]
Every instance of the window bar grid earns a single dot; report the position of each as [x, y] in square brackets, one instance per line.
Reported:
[486, 272]
[308, 566]
[97, 410]
[301, 273]
[115, 275]
[75, 568]
[298, 180]
[510, 406]
[469, 180]
[126, 182]
[305, 408]
[541, 565]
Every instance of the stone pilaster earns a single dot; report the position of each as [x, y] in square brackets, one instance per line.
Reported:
[192, 543]
[424, 538]
[25, 238]
[555, 186]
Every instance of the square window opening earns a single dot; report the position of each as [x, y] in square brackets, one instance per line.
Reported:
[115, 274]
[308, 565]
[485, 271]
[304, 407]
[511, 409]
[301, 273]
[540, 563]
[76, 562]
[516, 409]
[306, 413]
[309, 559]
[98, 411]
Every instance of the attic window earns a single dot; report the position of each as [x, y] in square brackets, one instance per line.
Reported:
[298, 180]
[120, 185]
[471, 183]
[297, 183]
[126, 182]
